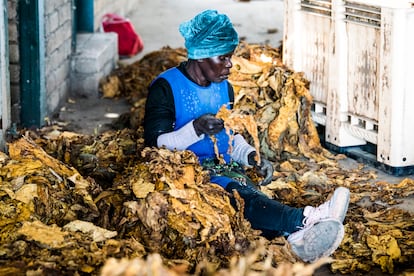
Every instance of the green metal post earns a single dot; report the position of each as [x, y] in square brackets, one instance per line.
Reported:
[85, 16]
[32, 62]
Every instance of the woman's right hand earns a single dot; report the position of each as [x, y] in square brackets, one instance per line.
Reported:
[208, 124]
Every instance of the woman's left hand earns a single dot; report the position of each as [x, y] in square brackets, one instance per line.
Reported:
[265, 168]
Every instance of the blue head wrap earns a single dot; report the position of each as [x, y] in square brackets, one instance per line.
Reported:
[209, 34]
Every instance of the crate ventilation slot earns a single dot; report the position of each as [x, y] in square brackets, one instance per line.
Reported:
[363, 14]
[362, 128]
[322, 7]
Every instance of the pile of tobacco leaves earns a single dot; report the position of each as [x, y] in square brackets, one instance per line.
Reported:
[74, 204]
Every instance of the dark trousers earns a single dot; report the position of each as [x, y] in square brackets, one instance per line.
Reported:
[268, 215]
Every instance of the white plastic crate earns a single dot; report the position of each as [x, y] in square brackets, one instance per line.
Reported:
[358, 57]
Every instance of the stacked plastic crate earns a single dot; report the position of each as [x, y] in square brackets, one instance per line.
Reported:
[358, 57]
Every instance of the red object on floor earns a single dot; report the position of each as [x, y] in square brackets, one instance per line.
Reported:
[129, 42]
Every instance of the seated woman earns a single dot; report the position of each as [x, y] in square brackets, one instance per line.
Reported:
[180, 114]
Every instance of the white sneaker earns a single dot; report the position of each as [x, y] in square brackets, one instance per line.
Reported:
[335, 208]
[322, 230]
[317, 240]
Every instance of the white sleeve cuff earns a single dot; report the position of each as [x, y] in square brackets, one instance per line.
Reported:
[180, 139]
[241, 150]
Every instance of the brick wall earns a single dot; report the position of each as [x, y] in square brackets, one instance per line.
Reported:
[58, 50]
[14, 60]
[58, 40]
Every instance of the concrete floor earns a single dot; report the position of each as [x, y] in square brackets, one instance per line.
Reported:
[256, 21]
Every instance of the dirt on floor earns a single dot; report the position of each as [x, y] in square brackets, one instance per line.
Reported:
[91, 115]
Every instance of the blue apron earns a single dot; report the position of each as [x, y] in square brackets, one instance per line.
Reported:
[191, 101]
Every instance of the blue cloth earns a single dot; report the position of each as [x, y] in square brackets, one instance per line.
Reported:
[209, 34]
[223, 181]
[191, 101]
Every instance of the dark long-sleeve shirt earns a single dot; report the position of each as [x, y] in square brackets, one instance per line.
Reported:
[160, 108]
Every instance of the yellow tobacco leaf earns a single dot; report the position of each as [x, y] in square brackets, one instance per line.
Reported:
[245, 66]
[385, 251]
[48, 235]
[26, 193]
[141, 187]
[97, 233]
[188, 177]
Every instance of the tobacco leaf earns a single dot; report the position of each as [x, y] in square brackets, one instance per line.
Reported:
[167, 215]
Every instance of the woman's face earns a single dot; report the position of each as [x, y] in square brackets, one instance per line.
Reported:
[216, 69]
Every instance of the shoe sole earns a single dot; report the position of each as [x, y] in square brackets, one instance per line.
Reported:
[321, 240]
